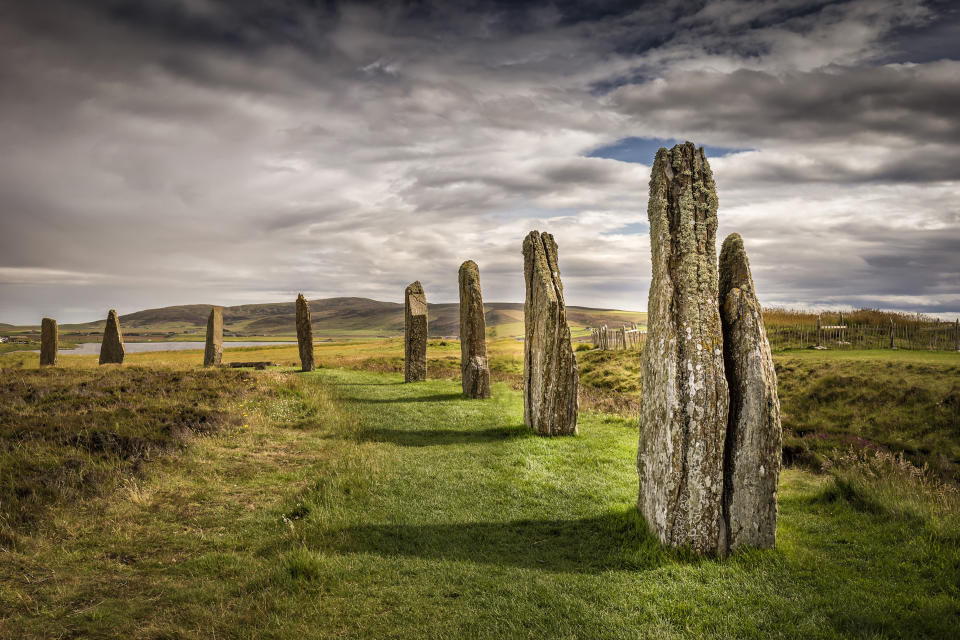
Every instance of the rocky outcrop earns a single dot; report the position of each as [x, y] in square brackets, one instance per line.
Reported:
[414, 333]
[754, 434]
[304, 334]
[683, 416]
[111, 349]
[551, 379]
[49, 339]
[474, 369]
[213, 352]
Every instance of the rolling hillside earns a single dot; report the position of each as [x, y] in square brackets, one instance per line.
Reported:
[343, 317]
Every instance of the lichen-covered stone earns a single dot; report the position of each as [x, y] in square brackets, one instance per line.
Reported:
[551, 379]
[474, 369]
[213, 351]
[415, 333]
[754, 434]
[683, 416]
[304, 334]
[111, 349]
[49, 338]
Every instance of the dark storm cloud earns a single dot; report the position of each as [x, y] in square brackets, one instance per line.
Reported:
[916, 103]
[928, 41]
[239, 151]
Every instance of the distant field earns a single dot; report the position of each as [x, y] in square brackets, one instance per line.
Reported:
[334, 318]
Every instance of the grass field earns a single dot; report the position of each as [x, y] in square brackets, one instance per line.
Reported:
[345, 504]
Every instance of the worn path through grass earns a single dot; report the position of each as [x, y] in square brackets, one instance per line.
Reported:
[355, 506]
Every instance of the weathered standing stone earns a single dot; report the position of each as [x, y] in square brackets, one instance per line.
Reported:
[111, 349]
[304, 334]
[684, 402]
[213, 353]
[414, 333]
[754, 434]
[49, 337]
[474, 370]
[551, 379]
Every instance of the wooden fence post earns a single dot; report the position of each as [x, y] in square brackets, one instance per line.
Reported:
[818, 330]
[891, 333]
[956, 335]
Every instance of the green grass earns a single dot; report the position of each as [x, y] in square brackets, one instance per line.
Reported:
[898, 401]
[355, 506]
[901, 401]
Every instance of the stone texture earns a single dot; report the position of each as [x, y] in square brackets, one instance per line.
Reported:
[684, 405]
[474, 369]
[213, 353]
[550, 376]
[304, 334]
[111, 349]
[49, 338]
[754, 435]
[414, 333]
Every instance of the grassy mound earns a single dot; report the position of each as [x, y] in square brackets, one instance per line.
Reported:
[66, 434]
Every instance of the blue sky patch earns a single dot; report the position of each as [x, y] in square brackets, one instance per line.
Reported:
[643, 150]
[632, 228]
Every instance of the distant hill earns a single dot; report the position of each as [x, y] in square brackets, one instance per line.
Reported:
[344, 316]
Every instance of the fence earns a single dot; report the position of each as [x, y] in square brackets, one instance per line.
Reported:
[623, 337]
[936, 336]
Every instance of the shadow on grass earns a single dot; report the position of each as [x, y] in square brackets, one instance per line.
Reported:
[337, 383]
[430, 437]
[436, 397]
[618, 540]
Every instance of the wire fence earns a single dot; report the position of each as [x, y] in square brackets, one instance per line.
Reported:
[934, 336]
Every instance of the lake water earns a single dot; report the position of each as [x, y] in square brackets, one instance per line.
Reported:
[93, 348]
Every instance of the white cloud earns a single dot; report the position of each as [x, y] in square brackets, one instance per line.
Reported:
[215, 158]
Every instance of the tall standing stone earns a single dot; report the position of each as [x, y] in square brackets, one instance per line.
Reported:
[754, 434]
[684, 402]
[304, 334]
[551, 379]
[213, 352]
[111, 348]
[414, 333]
[49, 338]
[474, 369]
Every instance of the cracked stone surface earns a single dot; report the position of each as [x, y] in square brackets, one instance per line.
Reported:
[304, 334]
[49, 337]
[474, 368]
[754, 433]
[213, 350]
[684, 405]
[415, 333]
[551, 378]
[111, 349]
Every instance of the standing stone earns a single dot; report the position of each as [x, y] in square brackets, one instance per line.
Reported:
[414, 333]
[49, 337]
[213, 353]
[111, 349]
[754, 434]
[684, 402]
[304, 334]
[474, 370]
[550, 375]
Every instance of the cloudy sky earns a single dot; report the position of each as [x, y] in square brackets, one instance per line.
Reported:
[232, 151]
